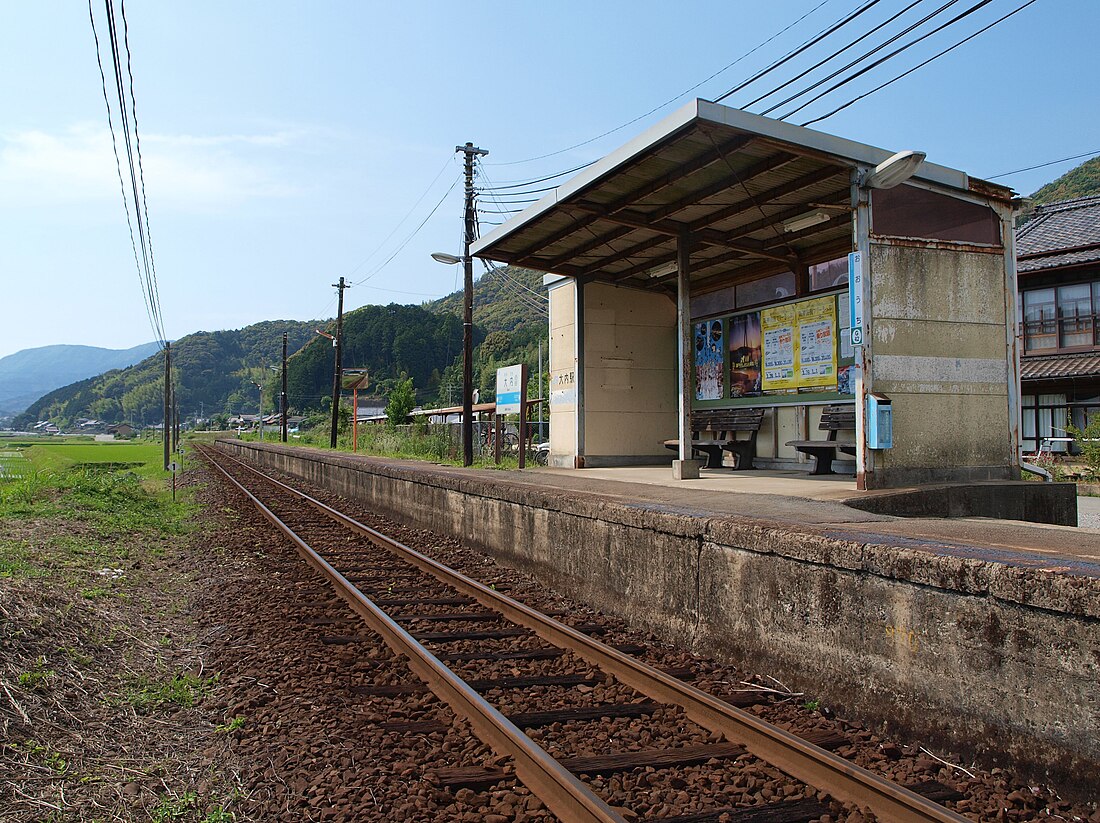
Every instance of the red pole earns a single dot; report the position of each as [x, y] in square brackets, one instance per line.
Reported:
[355, 420]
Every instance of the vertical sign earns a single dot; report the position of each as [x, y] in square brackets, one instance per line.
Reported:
[855, 296]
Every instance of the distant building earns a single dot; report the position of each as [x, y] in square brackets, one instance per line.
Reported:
[123, 430]
[1058, 272]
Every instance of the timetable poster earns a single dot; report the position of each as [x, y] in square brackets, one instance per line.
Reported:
[780, 353]
[816, 322]
[745, 355]
[710, 360]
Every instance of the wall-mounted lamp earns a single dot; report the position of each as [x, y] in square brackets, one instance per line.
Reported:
[894, 170]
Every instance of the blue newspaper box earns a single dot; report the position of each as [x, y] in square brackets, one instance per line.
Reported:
[880, 421]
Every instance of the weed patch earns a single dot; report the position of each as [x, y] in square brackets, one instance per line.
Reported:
[183, 690]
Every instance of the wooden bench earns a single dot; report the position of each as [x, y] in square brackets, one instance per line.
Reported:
[724, 424]
[838, 417]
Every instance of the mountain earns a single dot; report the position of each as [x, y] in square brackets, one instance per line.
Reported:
[1078, 182]
[213, 373]
[28, 374]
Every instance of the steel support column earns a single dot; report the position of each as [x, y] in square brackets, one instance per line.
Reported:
[861, 241]
[684, 468]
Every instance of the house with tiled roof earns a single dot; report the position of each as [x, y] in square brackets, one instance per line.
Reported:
[1058, 272]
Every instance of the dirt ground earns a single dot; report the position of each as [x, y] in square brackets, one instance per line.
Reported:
[173, 678]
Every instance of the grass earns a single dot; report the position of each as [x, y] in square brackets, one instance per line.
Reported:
[183, 690]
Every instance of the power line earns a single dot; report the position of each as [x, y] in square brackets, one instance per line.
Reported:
[855, 62]
[671, 100]
[957, 18]
[146, 278]
[401, 222]
[519, 183]
[1044, 165]
[817, 38]
[415, 231]
[138, 191]
[922, 64]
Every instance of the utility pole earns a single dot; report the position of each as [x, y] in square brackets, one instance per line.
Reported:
[471, 151]
[167, 398]
[338, 343]
[282, 397]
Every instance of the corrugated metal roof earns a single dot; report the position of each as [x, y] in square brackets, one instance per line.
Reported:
[1053, 366]
[730, 178]
[1060, 234]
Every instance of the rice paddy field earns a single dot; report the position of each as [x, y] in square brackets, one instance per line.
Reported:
[23, 458]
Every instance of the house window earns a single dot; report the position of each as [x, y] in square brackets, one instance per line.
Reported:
[1075, 315]
[1040, 326]
[1061, 317]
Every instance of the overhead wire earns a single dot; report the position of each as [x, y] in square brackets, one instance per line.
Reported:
[919, 65]
[957, 18]
[671, 100]
[409, 238]
[1044, 165]
[859, 59]
[817, 38]
[137, 145]
[149, 291]
[141, 216]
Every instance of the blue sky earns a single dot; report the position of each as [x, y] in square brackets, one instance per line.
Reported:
[284, 143]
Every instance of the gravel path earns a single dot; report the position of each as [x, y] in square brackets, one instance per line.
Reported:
[1088, 512]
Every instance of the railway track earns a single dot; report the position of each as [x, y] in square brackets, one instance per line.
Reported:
[516, 674]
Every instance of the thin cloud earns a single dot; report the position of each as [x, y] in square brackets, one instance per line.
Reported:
[186, 172]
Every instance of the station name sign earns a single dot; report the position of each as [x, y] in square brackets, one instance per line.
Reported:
[855, 296]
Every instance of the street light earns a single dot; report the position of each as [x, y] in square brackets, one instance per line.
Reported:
[467, 349]
[894, 170]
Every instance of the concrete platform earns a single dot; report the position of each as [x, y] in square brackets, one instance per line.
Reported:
[793, 497]
[980, 637]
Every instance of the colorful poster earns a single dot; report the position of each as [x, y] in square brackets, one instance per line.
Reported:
[709, 360]
[845, 380]
[816, 322]
[745, 351]
[780, 356]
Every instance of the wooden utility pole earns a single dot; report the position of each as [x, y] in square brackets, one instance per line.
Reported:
[338, 342]
[471, 151]
[282, 397]
[167, 398]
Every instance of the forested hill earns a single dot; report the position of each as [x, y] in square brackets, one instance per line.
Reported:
[213, 371]
[1078, 182]
[425, 342]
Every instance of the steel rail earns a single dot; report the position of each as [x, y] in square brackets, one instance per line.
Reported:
[804, 761]
[562, 792]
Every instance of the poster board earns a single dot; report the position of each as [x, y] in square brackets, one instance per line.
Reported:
[816, 342]
[745, 353]
[777, 326]
[800, 345]
[710, 360]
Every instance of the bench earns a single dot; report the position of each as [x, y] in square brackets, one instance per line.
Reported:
[724, 424]
[838, 417]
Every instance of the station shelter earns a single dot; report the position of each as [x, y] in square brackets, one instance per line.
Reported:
[723, 260]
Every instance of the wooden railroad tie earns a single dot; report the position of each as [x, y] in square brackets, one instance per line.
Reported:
[797, 811]
[800, 811]
[534, 720]
[563, 681]
[480, 778]
[547, 653]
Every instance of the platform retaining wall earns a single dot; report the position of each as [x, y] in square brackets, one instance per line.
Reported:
[992, 662]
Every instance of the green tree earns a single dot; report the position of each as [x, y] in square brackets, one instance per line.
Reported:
[402, 400]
